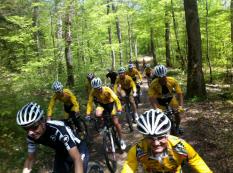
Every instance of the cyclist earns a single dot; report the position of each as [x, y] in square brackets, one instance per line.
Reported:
[136, 76]
[125, 86]
[112, 75]
[108, 102]
[70, 151]
[71, 105]
[162, 88]
[159, 152]
[90, 76]
[148, 72]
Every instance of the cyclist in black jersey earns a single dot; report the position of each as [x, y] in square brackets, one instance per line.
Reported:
[112, 75]
[70, 151]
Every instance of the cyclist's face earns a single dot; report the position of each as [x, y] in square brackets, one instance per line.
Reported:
[59, 93]
[99, 90]
[162, 80]
[36, 130]
[158, 144]
[122, 75]
[130, 69]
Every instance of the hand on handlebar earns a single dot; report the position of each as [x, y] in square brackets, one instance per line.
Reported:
[135, 94]
[49, 118]
[180, 109]
[87, 117]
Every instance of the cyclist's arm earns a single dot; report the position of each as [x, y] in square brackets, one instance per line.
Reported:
[153, 101]
[51, 105]
[29, 162]
[139, 75]
[90, 103]
[78, 163]
[133, 85]
[195, 161]
[116, 99]
[75, 103]
[179, 93]
[131, 163]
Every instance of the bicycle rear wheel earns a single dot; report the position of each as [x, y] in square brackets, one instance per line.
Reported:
[82, 129]
[128, 117]
[94, 167]
[109, 152]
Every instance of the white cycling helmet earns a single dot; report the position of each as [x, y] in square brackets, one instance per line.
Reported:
[57, 86]
[121, 70]
[96, 83]
[160, 71]
[30, 114]
[131, 66]
[154, 123]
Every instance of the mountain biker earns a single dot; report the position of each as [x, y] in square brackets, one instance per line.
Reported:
[162, 88]
[108, 102]
[90, 76]
[112, 75]
[125, 86]
[159, 152]
[70, 151]
[136, 76]
[71, 105]
[148, 72]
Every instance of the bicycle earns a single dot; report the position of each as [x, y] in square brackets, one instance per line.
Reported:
[110, 139]
[128, 113]
[170, 112]
[94, 167]
[79, 127]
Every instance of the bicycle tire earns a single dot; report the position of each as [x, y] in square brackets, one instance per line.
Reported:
[94, 167]
[82, 129]
[128, 117]
[116, 138]
[109, 155]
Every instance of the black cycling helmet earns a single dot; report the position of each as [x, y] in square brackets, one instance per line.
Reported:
[90, 76]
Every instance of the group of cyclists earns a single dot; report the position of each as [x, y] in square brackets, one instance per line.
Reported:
[158, 151]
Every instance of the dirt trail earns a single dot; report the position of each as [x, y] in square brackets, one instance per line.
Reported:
[198, 124]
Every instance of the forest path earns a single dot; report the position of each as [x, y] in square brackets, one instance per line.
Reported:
[203, 129]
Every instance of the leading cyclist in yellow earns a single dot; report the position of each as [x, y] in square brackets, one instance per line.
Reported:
[71, 105]
[159, 152]
[107, 102]
[165, 89]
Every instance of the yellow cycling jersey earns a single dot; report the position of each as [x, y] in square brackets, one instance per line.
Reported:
[134, 74]
[68, 98]
[126, 83]
[155, 89]
[178, 151]
[104, 97]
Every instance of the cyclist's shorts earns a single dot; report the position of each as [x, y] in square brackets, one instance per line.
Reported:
[173, 103]
[109, 108]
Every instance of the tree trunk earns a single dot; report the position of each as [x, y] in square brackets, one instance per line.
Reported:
[152, 46]
[167, 37]
[110, 37]
[114, 8]
[130, 39]
[207, 42]
[68, 52]
[231, 59]
[195, 78]
[178, 50]
[35, 23]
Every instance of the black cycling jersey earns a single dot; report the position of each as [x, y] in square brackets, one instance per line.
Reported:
[57, 136]
[112, 75]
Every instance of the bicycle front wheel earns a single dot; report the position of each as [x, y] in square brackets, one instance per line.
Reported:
[109, 152]
[82, 129]
[128, 117]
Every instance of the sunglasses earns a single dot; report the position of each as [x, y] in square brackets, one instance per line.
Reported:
[33, 127]
[157, 138]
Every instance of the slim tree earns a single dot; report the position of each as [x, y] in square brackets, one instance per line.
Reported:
[35, 23]
[167, 37]
[68, 41]
[195, 78]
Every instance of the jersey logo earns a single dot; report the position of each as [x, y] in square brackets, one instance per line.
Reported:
[53, 138]
[65, 139]
[139, 152]
[180, 149]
